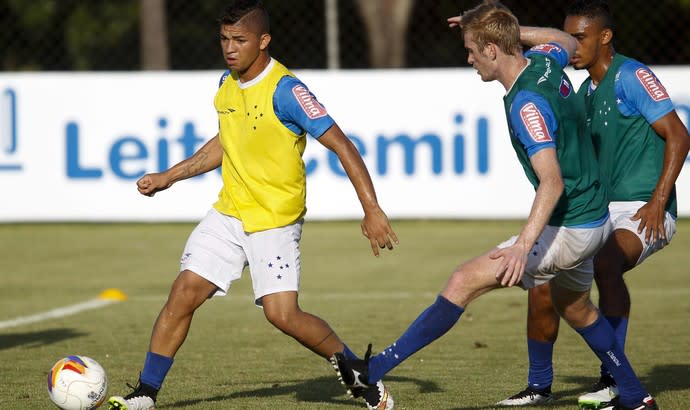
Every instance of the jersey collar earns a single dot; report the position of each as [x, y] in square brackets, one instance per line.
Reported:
[258, 78]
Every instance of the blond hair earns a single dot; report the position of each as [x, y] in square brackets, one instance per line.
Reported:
[492, 22]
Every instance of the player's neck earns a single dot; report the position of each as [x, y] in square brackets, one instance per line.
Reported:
[256, 68]
[512, 70]
[599, 69]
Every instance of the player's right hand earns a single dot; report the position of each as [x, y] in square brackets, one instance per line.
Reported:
[512, 261]
[149, 184]
[454, 21]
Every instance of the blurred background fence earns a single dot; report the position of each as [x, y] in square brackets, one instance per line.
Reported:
[66, 35]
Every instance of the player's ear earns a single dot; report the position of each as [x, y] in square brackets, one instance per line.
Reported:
[264, 40]
[491, 51]
[606, 36]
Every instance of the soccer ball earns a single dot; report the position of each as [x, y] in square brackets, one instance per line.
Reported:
[77, 383]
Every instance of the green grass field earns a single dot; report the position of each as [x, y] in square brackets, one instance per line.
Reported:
[233, 359]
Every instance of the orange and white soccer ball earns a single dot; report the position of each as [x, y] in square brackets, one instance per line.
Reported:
[77, 383]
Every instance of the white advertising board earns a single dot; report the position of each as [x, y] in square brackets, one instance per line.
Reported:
[72, 145]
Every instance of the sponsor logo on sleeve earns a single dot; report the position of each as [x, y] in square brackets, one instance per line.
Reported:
[306, 100]
[651, 84]
[534, 123]
[546, 48]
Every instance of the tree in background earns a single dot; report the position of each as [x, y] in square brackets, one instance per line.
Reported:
[386, 22]
[154, 35]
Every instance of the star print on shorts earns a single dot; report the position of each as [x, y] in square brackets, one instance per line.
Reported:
[277, 265]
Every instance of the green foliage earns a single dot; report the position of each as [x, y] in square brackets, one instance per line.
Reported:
[34, 14]
[104, 35]
[233, 359]
[92, 29]
[69, 34]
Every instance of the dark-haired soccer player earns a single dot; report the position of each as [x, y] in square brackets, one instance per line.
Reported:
[641, 145]
[569, 219]
[264, 113]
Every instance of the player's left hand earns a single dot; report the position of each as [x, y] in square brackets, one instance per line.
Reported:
[651, 216]
[513, 260]
[377, 228]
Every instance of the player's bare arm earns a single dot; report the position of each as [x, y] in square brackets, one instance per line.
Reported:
[207, 158]
[651, 215]
[375, 225]
[532, 36]
[545, 163]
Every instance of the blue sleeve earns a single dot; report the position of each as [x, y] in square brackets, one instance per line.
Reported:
[533, 122]
[223, 77]
[553, 50]
[298, 109]
[639, 92]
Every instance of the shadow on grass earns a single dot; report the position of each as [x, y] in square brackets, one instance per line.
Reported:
[553, 405]
[318, 390]
[563, 399]
[661, 379]
[37, 339]
[667, 377]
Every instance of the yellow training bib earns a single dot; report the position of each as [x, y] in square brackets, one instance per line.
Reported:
[264, 180]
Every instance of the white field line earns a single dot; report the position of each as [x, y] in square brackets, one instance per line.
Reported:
[56, 313]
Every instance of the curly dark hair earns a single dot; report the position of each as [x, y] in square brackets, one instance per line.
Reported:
[592, 9]
[238, 9]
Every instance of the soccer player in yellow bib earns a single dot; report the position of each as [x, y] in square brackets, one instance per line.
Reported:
[264, 114]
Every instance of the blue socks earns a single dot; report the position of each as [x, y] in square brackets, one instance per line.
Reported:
[541, 355]
[348, 353]
[540, 364]
[620, 328]
[601, 339]
[433, 323]
[155, 369]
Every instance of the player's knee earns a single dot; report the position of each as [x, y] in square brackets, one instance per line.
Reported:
[283, 320]
[460, 287]
[181, 290]
[186, 292]
[543, 325]
[578, 313]
[540, 303]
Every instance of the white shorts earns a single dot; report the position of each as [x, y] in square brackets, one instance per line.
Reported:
[564, 255]
[621, 212]
[218, 250]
